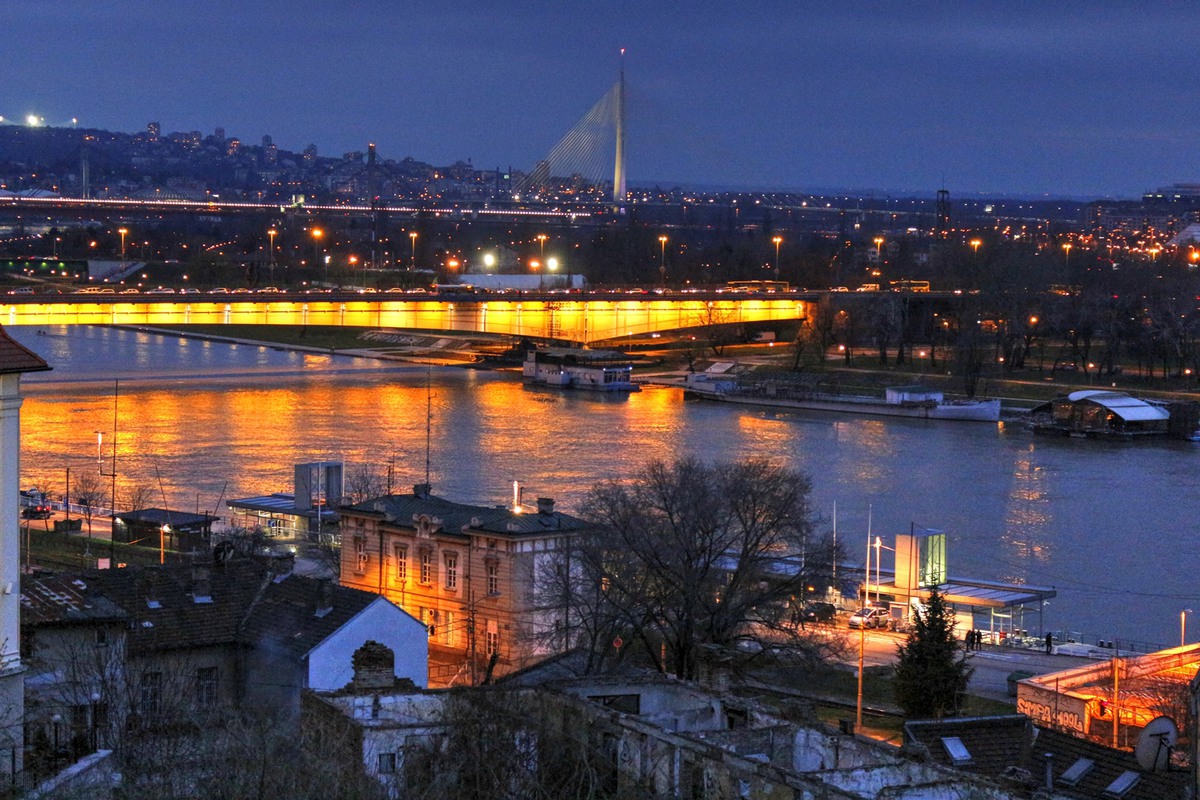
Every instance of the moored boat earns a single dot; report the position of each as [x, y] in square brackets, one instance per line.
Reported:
[914, 402]
[577, 368]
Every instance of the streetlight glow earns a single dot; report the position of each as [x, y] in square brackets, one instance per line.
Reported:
[662, 260]
[778, 240]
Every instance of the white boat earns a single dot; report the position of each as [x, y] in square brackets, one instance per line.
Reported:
[578, 368]
[913, 402]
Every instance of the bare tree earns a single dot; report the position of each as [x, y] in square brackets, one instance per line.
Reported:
[363, 482]
[689, 554]
[138, 496]
[88, 493]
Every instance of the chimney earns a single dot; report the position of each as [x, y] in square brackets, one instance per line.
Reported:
[545, 505]
[374, 668]
[324, 596]
[201, 584]
[421, 490]
[1049, 772]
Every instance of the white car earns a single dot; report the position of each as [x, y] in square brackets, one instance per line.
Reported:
[869, 618]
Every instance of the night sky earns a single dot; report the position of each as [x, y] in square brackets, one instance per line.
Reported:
[1065, 98]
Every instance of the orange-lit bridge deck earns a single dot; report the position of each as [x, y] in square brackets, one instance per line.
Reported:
[584, 319]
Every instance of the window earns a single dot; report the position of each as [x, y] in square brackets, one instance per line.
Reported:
[206, 686]
[956, 750]
[426, 566]
[151, 704]
[492, 641]
[1074, 775]
[451, 572]
[360, 551]
[386, 764]
[493, 578]
[401, 553]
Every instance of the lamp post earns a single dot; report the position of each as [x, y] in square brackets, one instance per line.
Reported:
[271, 254]
[95, 721]
[1183, 626]
[541, 237]
[124, 232]
[412, 264]
[317, 233]
[57, 718]
[975, 245]
[1067, 258]
[662, 261]
[778, 240]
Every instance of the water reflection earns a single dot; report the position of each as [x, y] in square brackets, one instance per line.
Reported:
[1110, 526]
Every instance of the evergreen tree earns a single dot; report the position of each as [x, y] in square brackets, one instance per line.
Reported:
[932, 671]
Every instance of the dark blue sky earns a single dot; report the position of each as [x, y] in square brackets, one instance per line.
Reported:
[1084, 99]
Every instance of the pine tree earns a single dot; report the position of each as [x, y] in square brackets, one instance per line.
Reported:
[932, 671]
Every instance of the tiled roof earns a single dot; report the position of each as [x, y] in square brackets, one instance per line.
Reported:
[63, 600]
[403, 509]
[1110, 764]
[994, 743]
[245, 604]
[17, 358]
[286, 617]
[167, 616]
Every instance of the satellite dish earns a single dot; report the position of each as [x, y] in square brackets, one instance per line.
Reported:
[1153, 751]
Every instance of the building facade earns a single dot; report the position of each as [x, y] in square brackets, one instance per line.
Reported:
[474, 575]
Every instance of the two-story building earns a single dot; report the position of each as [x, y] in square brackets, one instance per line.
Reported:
[474, 575]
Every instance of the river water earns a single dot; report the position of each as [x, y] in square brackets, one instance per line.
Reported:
[1111, 526]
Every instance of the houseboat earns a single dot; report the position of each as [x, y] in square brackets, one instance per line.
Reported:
[1101, 414]
[579, 368]
[914, 402]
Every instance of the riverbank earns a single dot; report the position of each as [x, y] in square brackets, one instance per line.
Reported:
[1017, 391]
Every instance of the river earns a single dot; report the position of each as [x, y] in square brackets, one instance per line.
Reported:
[1111, 526]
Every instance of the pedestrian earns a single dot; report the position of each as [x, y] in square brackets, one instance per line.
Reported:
[1049, 643]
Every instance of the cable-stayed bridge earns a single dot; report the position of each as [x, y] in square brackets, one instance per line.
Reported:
[582, 319]
[589, 160]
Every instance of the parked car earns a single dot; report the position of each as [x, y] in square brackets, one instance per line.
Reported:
[818, 612]
[869, 618]
[36, 512]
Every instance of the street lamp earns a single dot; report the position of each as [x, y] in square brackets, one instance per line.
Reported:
[778, 240]
[95, 721]
[541, 237]
[1183, 626]
[271, 256]
[413, 261]
[975, 245]
[1067, 258]
[662, 261]
[317, 233]
[123, 232]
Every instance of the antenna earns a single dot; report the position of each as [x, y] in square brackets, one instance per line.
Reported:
[1153, 751]
[428, 417]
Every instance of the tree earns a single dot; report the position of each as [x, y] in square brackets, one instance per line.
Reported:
[689, 554]
[88, 494]
[931, 670]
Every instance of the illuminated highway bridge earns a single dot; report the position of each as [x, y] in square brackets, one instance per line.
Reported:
[582, 319]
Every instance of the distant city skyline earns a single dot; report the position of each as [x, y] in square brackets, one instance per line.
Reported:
[1020, 100]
